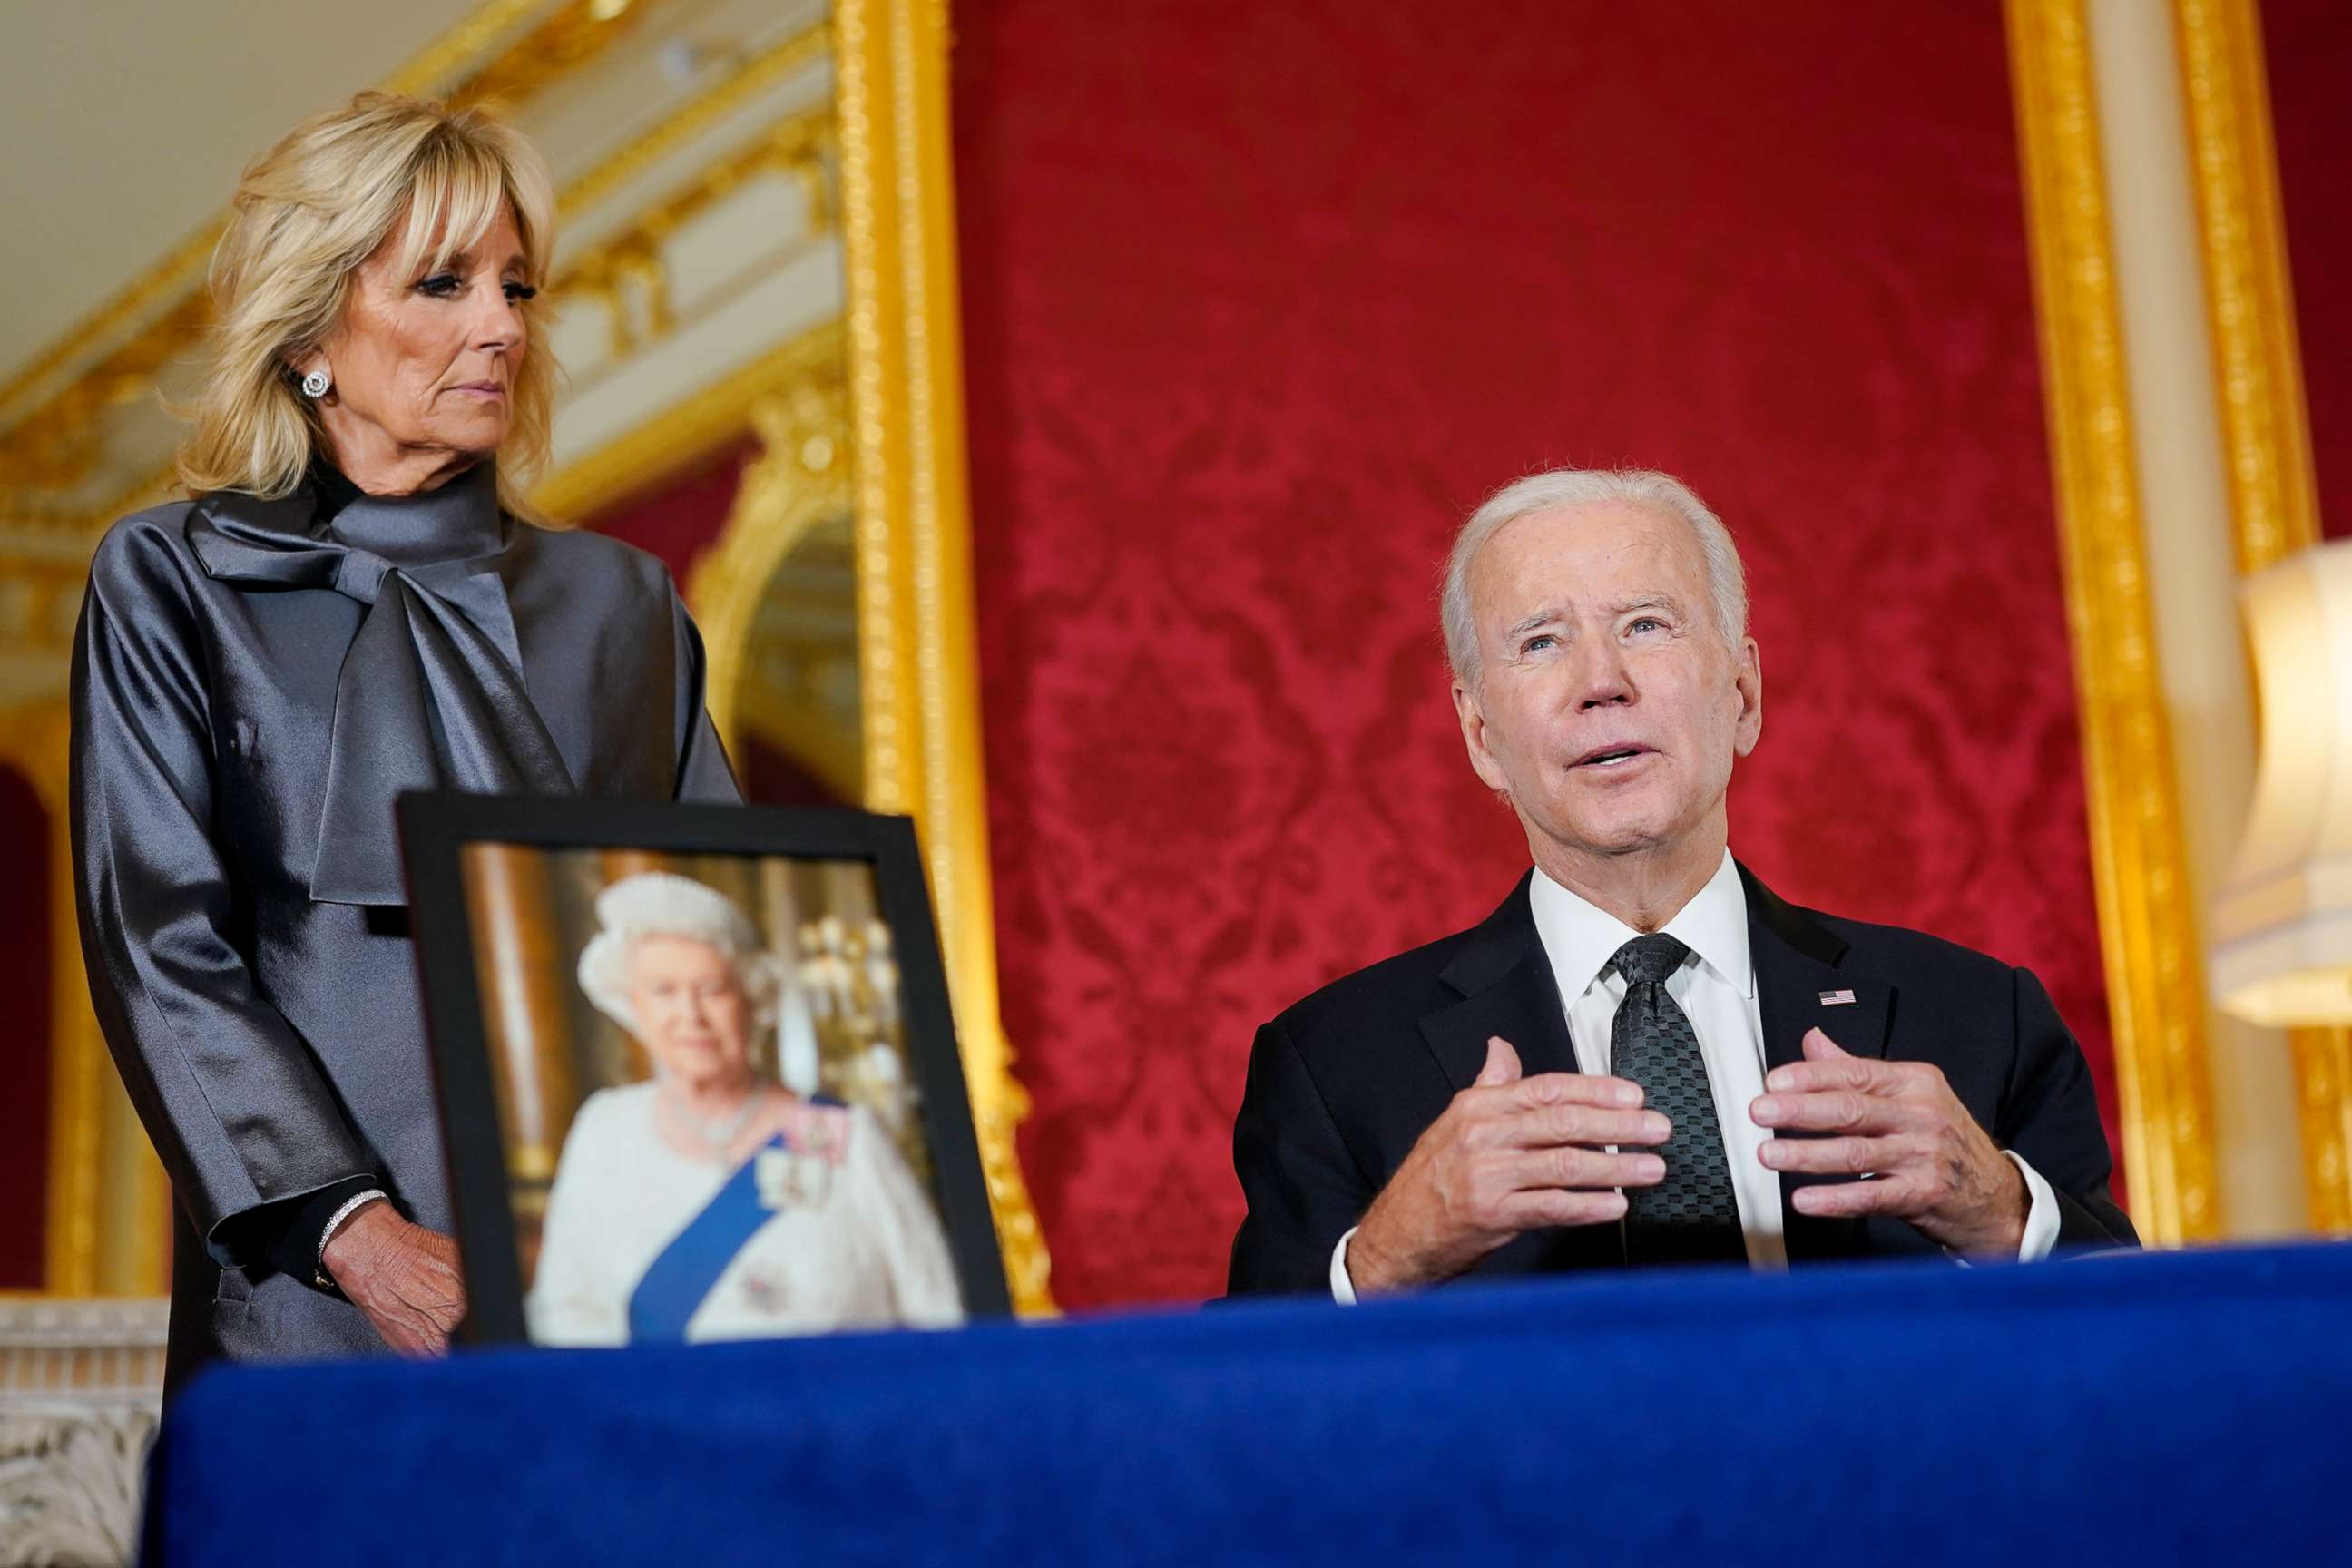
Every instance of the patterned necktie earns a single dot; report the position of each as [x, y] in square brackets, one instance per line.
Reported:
[1692, 1215]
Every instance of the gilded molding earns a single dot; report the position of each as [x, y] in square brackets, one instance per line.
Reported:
[769, 68]
[690, 431]
[180, 272]
[472, 47]
[2273, 492]
[796, 145]
[2154, 968]
[918, 655]
[569, 39]
[801, 476]
[162, 312]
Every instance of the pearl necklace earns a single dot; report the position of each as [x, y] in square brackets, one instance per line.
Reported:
[717, 1134]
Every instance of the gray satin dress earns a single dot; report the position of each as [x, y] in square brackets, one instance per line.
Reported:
[253, 684]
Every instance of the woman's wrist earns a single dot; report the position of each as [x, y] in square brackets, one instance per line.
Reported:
[343, 1215]
[346, 1256]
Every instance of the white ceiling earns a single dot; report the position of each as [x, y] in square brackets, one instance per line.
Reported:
[125, 123]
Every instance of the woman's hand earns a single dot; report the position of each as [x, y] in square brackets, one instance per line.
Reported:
[402, 1276]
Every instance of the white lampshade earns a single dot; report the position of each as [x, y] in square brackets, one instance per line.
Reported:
[2282, 931]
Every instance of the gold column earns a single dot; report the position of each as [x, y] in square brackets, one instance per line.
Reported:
[619, 863]
[919, 662]
[2155, 984]
[108, 1205]
[511, 908]
[2273, 496]
[79, 1068]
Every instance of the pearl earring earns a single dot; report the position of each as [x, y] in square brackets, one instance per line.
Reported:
[315, 384]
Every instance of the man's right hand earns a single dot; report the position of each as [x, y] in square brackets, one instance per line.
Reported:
[402, 1276]
[1510, 1155]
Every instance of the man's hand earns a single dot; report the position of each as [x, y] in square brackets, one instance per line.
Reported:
[403, 1277]
[1900, 1122]
[1510, 1155]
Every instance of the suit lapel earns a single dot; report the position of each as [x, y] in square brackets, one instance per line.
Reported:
[1508, 989]
[1800, 987]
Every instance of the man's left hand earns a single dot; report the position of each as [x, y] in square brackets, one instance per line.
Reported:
[1900, 1124]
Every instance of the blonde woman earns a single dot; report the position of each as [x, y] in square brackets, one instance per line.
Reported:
[350, 605]
[712, 1202]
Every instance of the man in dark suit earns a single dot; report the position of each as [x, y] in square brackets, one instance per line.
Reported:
[1645, 1055]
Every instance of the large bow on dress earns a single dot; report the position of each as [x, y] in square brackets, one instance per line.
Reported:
[431, 692]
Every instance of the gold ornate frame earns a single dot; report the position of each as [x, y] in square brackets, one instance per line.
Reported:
[2258, 370]
[2147, 933]
[918, 655]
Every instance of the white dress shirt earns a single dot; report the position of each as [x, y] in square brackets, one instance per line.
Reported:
[1716, 988]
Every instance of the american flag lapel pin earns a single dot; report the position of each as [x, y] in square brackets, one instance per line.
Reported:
[1837, 998]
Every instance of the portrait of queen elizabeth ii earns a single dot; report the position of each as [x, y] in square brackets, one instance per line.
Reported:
[712, 1201]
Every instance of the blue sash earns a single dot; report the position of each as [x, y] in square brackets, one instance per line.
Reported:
[679, 1280]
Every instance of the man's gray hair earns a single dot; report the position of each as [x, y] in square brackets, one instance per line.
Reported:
[1727, 579]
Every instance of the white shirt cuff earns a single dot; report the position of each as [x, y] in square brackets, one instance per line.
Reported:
[2041, 1218]
[1343, 1289]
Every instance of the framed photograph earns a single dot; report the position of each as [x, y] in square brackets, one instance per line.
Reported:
[697, 1075]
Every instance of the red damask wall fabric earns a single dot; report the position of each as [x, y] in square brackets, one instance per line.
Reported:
[1260, 299]
[2309, 47]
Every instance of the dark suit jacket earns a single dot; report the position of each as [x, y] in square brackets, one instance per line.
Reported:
[1342, 1084]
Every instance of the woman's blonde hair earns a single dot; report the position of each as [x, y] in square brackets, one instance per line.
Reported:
[308, 212]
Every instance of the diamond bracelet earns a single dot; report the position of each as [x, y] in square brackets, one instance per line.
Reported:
[335, 1222]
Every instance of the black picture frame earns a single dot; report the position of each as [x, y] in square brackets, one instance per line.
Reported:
[435, 829]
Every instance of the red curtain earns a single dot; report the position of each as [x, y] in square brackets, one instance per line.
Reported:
[2309, 47]
[1260, 299]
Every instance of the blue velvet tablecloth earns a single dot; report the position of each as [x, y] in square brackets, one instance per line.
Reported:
[2124, 1409]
